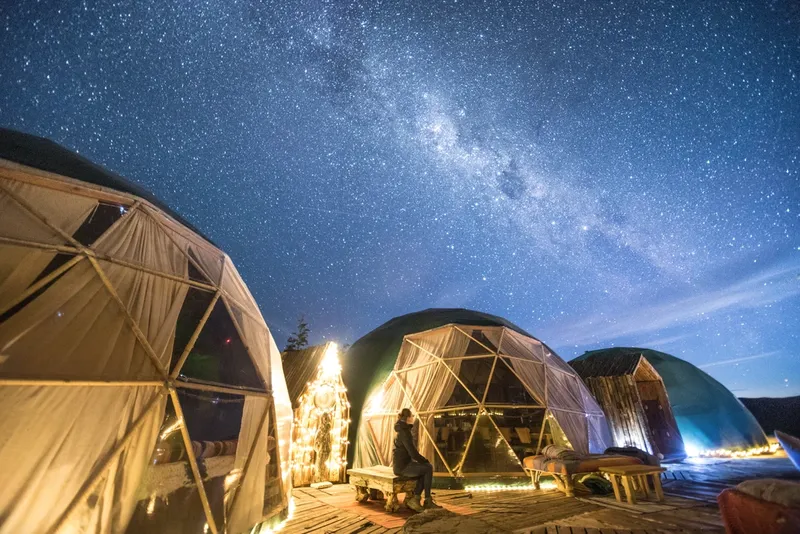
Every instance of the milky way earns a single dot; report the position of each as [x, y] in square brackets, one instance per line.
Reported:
[599, 173]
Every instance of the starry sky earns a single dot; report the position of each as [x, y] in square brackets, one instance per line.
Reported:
[600, 173]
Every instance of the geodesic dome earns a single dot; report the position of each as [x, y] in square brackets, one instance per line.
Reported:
[140, 387]
[709, 416]
[485, 397]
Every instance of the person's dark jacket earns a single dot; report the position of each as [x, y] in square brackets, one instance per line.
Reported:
[404, 450]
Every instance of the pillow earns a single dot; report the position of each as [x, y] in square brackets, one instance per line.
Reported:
[561, 453]
[644, 456]
[783, 492]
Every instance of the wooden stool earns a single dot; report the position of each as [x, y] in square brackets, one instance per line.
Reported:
[634, 477]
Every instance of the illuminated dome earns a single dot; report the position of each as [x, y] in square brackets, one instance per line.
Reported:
[709, 416]
[140, 387]
[486, 394]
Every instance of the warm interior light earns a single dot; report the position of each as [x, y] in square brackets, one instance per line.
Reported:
[375, 404]
[330, 362]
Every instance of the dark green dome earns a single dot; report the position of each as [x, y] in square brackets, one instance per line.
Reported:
[709, 416]
[370, 359]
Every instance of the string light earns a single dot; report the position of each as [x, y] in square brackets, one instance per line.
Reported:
[308, 418]
[696, 452]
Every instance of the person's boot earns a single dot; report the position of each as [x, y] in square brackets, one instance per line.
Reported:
[430, 505]
[413, 503]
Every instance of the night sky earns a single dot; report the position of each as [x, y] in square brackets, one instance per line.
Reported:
[600, 173]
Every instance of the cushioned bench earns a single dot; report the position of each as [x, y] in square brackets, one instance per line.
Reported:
[766, 506]
[564, 470]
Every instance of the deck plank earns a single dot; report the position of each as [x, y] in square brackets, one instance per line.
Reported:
[690, 505]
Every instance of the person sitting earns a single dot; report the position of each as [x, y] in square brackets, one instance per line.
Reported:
[409, 463]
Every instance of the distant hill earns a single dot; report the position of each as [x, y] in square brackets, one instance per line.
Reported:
[773, 414]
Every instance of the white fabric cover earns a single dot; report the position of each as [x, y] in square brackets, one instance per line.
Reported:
[137, 238]
[74, 330]
[242, 513]
[233, 285]
[427, 385]
[51, 439]
[284, 414]
[208, 259]
[54, 436]
[77, 318]
[19, 265]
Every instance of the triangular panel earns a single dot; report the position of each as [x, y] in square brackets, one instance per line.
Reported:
[21, 268]
[573, 429]
[260, 345]
[194, 306]
[554, 360]
[219, 356]
[417, 384]
[102, 217]
[518, 346]
[532, 375]
[200, 271]
[234, 286]
[214, 423]
[564, 391]
[170, 499]
[488, 452]
[77, 319]
[451, 431]
[505, 388]
[153, 302]
[205, 263]
[63, 210]
[140, 240]
[460, 397]
[493, 335]
[274, 493]
[520, 427]
[479, 343]
[473, 373]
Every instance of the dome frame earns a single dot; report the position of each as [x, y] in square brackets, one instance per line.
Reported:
[430, 371]
[95, 285]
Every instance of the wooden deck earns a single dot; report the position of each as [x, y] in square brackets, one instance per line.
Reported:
[690, 505]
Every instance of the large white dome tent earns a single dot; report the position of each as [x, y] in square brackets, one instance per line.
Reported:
[486, 393]
[140, 387]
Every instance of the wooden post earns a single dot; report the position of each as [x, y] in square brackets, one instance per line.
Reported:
[220, 389]
[657, 487]
[433, 442]
[187, 442]
[245, 342]
[131, 322]
[30, 209]
[33, 288]
[615, 484]
[193, 339]
[630, 494]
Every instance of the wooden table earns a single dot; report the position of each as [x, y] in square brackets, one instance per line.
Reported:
[370, 482]
[634, 476]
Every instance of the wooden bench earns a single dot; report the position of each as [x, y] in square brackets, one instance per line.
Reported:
[634, 477]
[380, 481]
